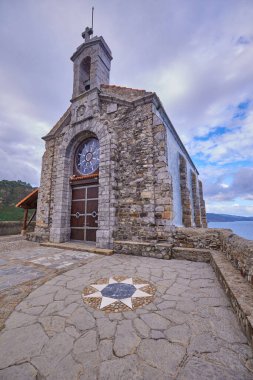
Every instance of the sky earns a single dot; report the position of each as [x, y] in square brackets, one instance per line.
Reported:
[197, 55]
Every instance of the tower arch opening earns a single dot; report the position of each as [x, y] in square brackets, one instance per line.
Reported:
[84, 75]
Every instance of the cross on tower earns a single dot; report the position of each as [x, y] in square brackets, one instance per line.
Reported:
[87, 33]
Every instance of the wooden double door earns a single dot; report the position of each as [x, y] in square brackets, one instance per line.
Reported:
[84, 212]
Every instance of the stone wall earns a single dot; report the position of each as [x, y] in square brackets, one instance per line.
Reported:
[239, 251]
[54, 202]
[196, 205]
[185, 193]
[202, 206]
[100, 55]
[144, 189]
[162, 180]
[206, 238]
[135, 209]
[13, 228]
[159, 251]
[45, 191]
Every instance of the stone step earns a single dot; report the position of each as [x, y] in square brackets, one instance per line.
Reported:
[81, 247]
[192, 254]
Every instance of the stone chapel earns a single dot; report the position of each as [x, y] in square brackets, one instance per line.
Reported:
[114, 167]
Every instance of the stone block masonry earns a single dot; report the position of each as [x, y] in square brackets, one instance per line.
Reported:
[202, 206]
[144, 190]
[196, 204]
[239, 252]
[13, 228]
[185, 193]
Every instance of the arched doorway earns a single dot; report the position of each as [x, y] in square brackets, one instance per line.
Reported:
[85, 190]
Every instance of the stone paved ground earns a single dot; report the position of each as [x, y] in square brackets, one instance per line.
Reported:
[188, 332]
[25, 265]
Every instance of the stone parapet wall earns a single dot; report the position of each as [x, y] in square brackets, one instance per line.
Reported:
[206, 238]
[13, 228]
[239, 251]
[160, 251]
[237, 289]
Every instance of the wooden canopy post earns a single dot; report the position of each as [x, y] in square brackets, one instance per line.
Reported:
[28, 203]
[23, 232]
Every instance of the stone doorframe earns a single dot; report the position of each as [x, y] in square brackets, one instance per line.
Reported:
[64, 154]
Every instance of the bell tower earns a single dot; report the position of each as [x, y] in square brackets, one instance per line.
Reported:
[92, 63]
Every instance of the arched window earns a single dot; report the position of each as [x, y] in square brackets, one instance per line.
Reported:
[84, 79]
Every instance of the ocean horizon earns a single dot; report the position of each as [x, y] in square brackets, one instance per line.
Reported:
[240, 228]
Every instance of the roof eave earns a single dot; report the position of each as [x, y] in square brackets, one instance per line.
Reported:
[51, 135]
[25, 199]
[158, 104]
[92, 41]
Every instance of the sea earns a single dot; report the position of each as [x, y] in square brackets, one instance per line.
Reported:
[243, 229]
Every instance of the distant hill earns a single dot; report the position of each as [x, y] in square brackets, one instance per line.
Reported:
[226, 218]
[11, 192]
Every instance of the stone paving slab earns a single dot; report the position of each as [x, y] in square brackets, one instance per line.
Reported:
[189, 331]
[16, 274]
[26, 265]
[28, 260]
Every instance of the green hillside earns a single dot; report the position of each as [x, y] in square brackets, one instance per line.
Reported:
[11, 192]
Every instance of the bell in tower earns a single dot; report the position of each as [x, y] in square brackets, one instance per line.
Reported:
[92, 63]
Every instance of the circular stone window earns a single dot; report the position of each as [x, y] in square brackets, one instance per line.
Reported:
[118, 293]
[87, 156]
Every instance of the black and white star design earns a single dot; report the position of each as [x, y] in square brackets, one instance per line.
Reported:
[118, 291]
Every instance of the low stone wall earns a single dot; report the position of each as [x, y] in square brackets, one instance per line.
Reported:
[191, 254]
[206, 238]
[159, 250]
[239, 251]
[13, 228]
[237, 289]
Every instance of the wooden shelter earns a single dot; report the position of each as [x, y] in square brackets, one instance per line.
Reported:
[28, 203]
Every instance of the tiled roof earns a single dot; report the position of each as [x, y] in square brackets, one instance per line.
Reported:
[29, 200]
[125, 93]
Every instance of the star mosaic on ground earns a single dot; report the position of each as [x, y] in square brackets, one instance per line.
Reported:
[117, 293]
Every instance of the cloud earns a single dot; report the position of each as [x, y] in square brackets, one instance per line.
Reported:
[21, 147]
[240, 187]
[234, 144]
[196, 55]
